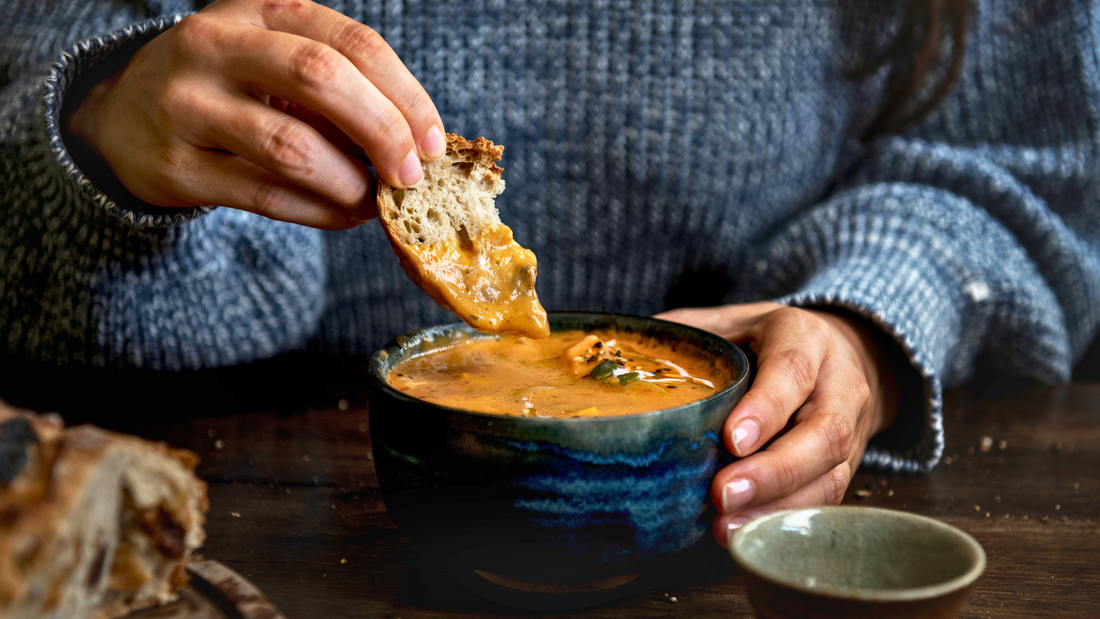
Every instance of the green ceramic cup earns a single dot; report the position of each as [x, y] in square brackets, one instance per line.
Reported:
[855, 562]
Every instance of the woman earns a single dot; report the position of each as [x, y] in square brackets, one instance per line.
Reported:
[713, 154]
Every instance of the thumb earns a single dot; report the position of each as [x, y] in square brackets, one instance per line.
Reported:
[729, 321]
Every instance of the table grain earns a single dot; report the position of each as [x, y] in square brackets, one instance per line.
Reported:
[295, 506]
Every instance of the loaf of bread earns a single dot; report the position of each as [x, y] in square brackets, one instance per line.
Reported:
[93, 524]
[449, 238]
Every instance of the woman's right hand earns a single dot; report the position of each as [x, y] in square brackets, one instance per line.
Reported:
[266, 106]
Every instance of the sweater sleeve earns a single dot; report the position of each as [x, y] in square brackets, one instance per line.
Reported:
[89, 277]
[974, 238]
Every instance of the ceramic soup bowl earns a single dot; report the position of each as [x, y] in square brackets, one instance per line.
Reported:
[545, 504]
[855, 562]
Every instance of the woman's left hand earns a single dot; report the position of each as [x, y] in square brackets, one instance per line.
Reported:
[819, 377]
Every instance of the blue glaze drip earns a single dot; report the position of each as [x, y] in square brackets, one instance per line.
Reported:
[655, 482]
[660, 508]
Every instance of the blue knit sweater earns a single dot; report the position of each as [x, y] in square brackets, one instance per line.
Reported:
[658, 154]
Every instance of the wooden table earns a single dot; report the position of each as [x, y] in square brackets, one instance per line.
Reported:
[294, 503]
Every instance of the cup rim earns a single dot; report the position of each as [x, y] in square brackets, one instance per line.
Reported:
[977, 553]
[379, 358]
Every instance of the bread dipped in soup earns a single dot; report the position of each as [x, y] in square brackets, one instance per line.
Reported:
[448, 236]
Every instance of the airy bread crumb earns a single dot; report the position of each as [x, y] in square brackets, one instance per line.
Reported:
[447, 234]
[456, 197]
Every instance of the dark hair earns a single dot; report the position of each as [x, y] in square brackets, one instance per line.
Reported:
[922, 35]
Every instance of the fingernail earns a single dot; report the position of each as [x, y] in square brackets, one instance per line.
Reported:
[732, 526]
[411, 172]
[737, 523]
[434, 144]
[736, 494]
[744, 436]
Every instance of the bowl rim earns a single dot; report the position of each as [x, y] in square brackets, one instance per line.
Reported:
[860, 593]
[737, 356]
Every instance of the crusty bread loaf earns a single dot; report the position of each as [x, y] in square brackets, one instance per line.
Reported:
[448, 237]
[93, 524]
[456, 196]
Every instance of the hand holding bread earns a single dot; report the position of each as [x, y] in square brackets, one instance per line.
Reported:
[274, 108]
[268, 107]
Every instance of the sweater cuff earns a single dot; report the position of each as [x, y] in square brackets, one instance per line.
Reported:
[914, 443]
[915, 261]
[70, 76]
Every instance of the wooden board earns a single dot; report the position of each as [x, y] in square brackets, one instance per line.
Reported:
[215, 592]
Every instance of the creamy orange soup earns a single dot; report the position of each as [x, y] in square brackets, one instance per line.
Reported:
[568, 374]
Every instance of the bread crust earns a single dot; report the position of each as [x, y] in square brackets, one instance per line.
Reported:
[480, 151]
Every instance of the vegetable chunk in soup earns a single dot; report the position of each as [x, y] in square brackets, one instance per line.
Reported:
[569, 374]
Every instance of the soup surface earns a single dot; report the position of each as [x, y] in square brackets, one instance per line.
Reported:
[568, 374]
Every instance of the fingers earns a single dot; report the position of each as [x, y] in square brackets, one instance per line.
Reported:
[823, 438]
[825, 490]
[804, 364]
[323, 126]
[790, 348]
[336, 90]
[812, 463]
[317, 76]
[227, 180]
[293, 150]
[814, 380]
[399, 135]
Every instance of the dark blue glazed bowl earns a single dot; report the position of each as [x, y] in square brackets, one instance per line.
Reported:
[551, 504]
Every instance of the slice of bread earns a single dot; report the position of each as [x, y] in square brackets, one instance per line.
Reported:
[457, 196]
[447, 235]
[93, 524]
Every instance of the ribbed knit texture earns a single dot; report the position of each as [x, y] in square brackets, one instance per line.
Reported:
[658, 154]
